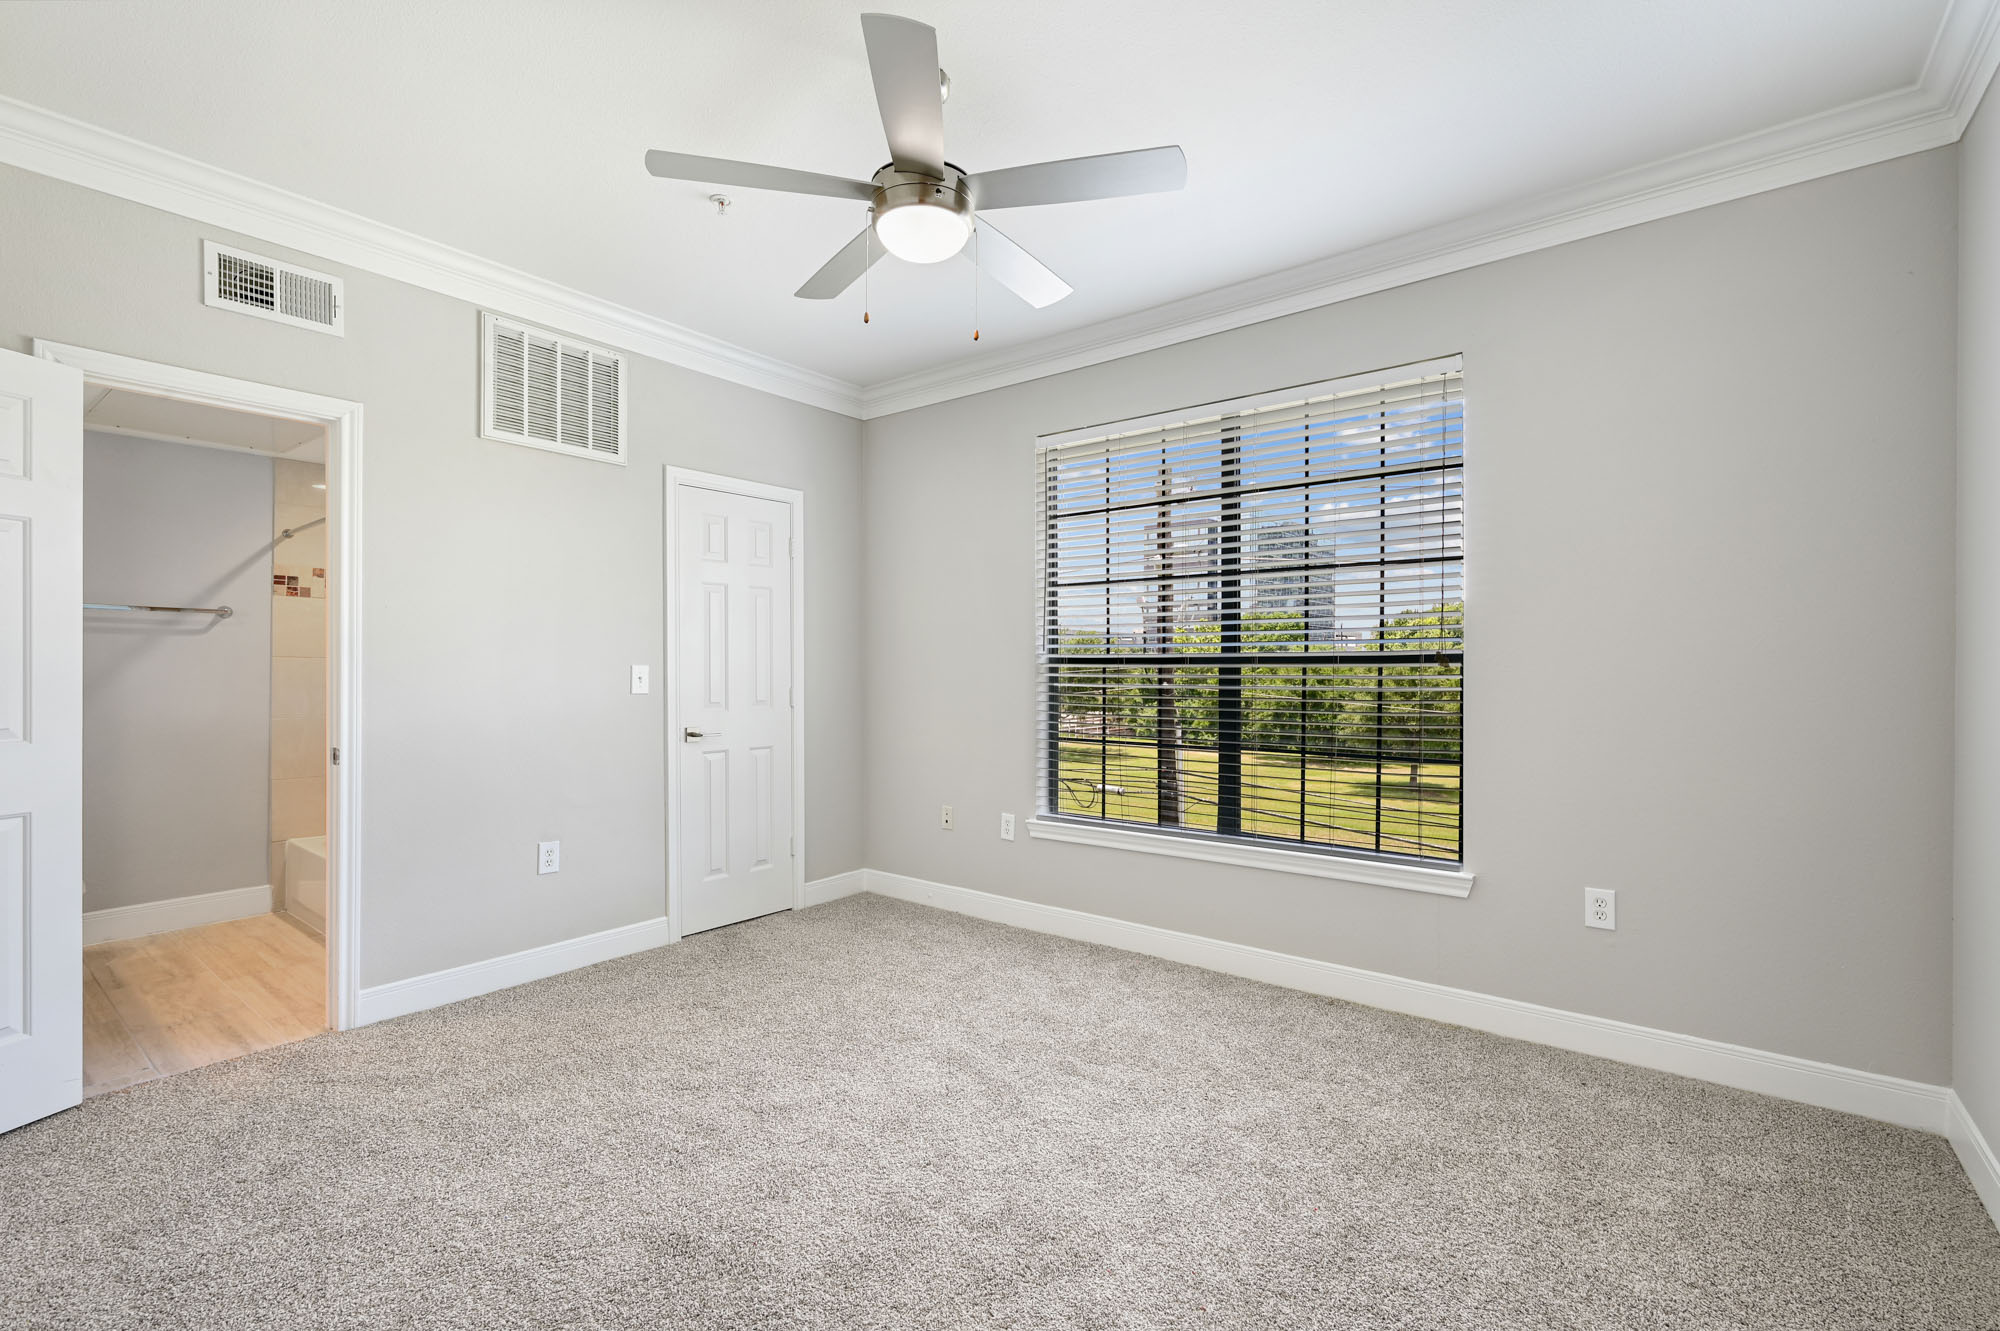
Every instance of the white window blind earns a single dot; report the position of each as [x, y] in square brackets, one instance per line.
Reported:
[1252, 618]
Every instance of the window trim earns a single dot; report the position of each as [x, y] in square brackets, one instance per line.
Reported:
[1246, 853]
[1438, 878]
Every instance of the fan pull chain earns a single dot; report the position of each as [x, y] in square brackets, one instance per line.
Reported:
[975, 281]
[868, 261]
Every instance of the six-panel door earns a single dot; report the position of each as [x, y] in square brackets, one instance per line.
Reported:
[733, 636]
[41, 738]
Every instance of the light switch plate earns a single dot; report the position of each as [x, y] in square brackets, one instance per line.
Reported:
[642, 679]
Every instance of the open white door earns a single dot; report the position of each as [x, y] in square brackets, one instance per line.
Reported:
[41, 738]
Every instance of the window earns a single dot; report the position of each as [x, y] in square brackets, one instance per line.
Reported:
[1252, 620]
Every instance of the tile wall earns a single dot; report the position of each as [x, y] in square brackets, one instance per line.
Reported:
[298, 661]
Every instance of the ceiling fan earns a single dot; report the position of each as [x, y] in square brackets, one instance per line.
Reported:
[923, 208]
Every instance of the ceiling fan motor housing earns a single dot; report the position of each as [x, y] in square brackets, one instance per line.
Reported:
[922, 218]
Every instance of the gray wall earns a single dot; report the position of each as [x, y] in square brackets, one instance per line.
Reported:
[1976, 960]
[176, 709]
[1710, 613]
[1709, 626]
[508, 590]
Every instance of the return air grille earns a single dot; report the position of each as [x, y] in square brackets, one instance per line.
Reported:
[551, 392]
[251, 284]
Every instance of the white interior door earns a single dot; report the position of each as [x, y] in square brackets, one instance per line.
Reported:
[733, 673]
[41, 738]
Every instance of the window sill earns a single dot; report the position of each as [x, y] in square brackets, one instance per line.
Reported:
[1373, 873]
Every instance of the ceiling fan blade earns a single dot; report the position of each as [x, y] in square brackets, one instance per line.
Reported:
[843, 270]
[1014, 268]
[1106, 176]
[903, 57]
[751, 175]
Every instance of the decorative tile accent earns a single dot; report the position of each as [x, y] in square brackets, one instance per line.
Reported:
[298, 580]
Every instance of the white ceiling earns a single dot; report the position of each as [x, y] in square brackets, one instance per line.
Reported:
[515, 129]
[122, 411]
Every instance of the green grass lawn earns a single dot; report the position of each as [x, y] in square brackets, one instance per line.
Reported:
[1418, 813]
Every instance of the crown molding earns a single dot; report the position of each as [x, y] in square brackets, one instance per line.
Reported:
[52, 144]
[1963, 58]
[1930, 113]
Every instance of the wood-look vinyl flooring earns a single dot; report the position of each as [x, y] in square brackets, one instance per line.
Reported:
[169, 1002]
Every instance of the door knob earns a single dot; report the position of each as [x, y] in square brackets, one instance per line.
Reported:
[689, 736]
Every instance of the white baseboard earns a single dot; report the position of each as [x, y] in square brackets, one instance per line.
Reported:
[1981, 1165]
[1911, 1104]
[159, 917]
[399, 997]
[822, 890]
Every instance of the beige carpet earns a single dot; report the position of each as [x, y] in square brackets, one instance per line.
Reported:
[871, 1114]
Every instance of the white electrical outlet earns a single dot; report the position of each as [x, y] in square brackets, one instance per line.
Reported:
[550, 858]
[1006, 827]
[944, 818]
[1600, 908]
[642, 679]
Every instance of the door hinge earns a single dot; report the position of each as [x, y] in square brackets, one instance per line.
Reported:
[336, 757]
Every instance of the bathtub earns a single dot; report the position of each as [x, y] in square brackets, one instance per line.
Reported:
[305, 880]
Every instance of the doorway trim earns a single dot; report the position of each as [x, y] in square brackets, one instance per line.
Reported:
[342, 420]
[679, 478]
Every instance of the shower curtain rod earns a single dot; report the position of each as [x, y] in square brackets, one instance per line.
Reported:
[219, 611]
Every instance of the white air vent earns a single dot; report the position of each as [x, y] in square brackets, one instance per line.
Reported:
[252, 284]
[551, 392]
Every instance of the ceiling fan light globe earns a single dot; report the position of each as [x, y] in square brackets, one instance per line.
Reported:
[923, 233]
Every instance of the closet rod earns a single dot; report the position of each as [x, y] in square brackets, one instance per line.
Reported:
[219, 611]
